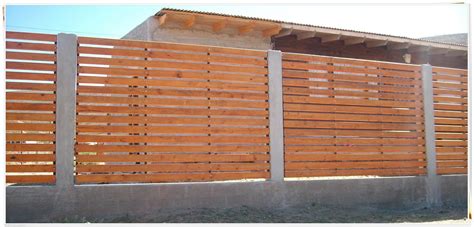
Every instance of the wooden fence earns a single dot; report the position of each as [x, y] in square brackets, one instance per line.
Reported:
[162, 112]
[154, 112]
[450, 97]
[30, 107]
[352, 117]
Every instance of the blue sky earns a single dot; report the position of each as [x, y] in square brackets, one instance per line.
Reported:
[114, 21]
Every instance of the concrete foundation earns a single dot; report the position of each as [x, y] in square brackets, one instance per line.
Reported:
[49, 203]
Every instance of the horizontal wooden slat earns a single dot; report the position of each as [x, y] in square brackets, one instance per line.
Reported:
[352, 94]
[360, 86]
[150, 178]
[451, 171]
[48, 117]
[30, 127]
[30, 168]
[30, 179]
[30, 96]
[169, 129]
[173, 158]
[171, 139]
[171, 120]
[30, 106]
[352, 165]
[30, 147]
[342, 141]
[175, 111]
[356, 172]
[350, 125]
[165, 64]
[357, 133]
[359, 62]
[30, 76]
[314, 108]
[170, 46]
[30, 158]
[173, 83]
[29, 137]
[168, 92]
[30, 86]
[30, 36]
[173, 167]
[350, 117]
[380, 79]
[171, 149]
[343, 157]
[452, 71]
[348, 102]
[30, 46]
[357, 149]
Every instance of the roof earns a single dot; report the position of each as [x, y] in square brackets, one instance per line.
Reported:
[437, 43]
[459, 38]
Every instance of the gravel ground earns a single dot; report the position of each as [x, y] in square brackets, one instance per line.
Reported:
[311, 213]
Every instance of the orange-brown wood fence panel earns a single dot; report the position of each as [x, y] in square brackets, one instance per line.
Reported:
[30, 107]
[159, 112]
[450, 104]
[347, 117]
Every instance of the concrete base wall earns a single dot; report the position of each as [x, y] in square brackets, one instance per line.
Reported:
[47, 203]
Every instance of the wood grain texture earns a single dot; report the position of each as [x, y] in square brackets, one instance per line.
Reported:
[30, 108]
[161, 112]
[345, 117]
[450, 104]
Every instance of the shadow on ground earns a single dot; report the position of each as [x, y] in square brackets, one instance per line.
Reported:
[302, 214]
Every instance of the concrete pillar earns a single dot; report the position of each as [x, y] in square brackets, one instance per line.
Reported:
[433, 194]
[66, 74]
[275, 96]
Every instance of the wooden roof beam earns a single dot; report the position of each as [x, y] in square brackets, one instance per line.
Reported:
[417, 49]
[376, 43]
[162, 19]
[189, 22]
[219, 25]
[353, 40]
[247, 28]
[305, 35]
[438, 51]
[398, 46]
[271, 31]
[284, 32]
[330, 38]
[456, 53]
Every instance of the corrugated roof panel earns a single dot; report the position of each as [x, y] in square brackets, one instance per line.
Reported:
[292, 23]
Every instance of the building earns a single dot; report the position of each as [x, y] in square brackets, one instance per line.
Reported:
[193, 27]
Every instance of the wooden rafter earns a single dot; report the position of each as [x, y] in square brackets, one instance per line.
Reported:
[219, 25]
[416, 49]
[247, 28]
[305, 35]
[284, 32]
[353, 40]
[271, 31]
[162, 20]
[376, 43]
[438, 51]
[456, 53]
[190, 21]
[398, 46]
[330, 38]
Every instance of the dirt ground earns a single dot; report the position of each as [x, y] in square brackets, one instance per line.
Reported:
[311, 213]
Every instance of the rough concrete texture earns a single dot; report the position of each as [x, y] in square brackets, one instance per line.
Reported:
[150, 30]
[45, 203]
